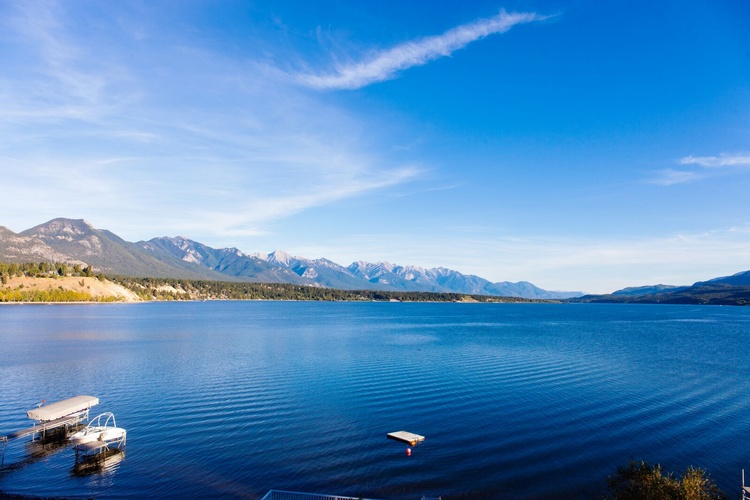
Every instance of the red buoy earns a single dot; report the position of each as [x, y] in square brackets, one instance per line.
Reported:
[408, 452]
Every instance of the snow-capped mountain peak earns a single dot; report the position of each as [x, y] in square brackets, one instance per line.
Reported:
[280, 257]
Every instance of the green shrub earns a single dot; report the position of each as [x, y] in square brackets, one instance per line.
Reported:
[641, 481]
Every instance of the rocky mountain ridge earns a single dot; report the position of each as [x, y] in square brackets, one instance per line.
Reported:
[77, 241]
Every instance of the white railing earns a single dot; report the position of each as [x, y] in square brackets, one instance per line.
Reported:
[293, 495]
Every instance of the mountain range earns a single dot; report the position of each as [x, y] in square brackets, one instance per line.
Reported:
[78, 242]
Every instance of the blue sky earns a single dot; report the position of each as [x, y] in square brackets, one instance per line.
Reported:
[579, 145]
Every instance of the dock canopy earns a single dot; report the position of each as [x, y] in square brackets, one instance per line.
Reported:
[63, 408]
[406, 437]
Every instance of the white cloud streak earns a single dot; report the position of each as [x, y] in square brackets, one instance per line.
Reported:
[670, 177]
[248, 218]
[387, 64]
[723, 160]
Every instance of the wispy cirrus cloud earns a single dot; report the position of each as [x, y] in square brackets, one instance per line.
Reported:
[689, 173]
[206, 144]
[671, 176]
[722, 160]
[250, 217]
[386, 64]
[57, 77]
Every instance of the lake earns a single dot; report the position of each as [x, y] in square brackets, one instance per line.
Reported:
[231, 399]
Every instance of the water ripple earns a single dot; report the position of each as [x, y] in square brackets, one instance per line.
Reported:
[232, 399]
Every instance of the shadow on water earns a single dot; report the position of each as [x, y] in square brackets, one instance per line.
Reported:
[101, 463]
[104, 463]
[37, 450]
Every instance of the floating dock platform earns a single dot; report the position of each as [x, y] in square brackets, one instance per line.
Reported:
[406, 437]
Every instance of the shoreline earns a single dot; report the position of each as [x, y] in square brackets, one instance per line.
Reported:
[97, 290]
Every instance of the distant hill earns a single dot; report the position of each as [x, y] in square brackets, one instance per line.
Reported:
[727, 290]
[77, 241]
[635, 291]
[739, 279]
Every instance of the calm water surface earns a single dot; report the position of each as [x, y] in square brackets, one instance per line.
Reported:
[231, 399]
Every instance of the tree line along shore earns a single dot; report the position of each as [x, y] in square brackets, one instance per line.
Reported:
[60, 282]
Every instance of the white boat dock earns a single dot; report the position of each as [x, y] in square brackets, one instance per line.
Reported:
[65, 408]
[62, 414]
[406, 437]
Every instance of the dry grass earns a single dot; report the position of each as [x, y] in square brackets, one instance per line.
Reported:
[97, 289]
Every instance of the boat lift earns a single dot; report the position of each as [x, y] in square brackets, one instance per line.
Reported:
[60, 415]
[98, 441]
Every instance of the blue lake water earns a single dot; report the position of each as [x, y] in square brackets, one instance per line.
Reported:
[231, 399]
